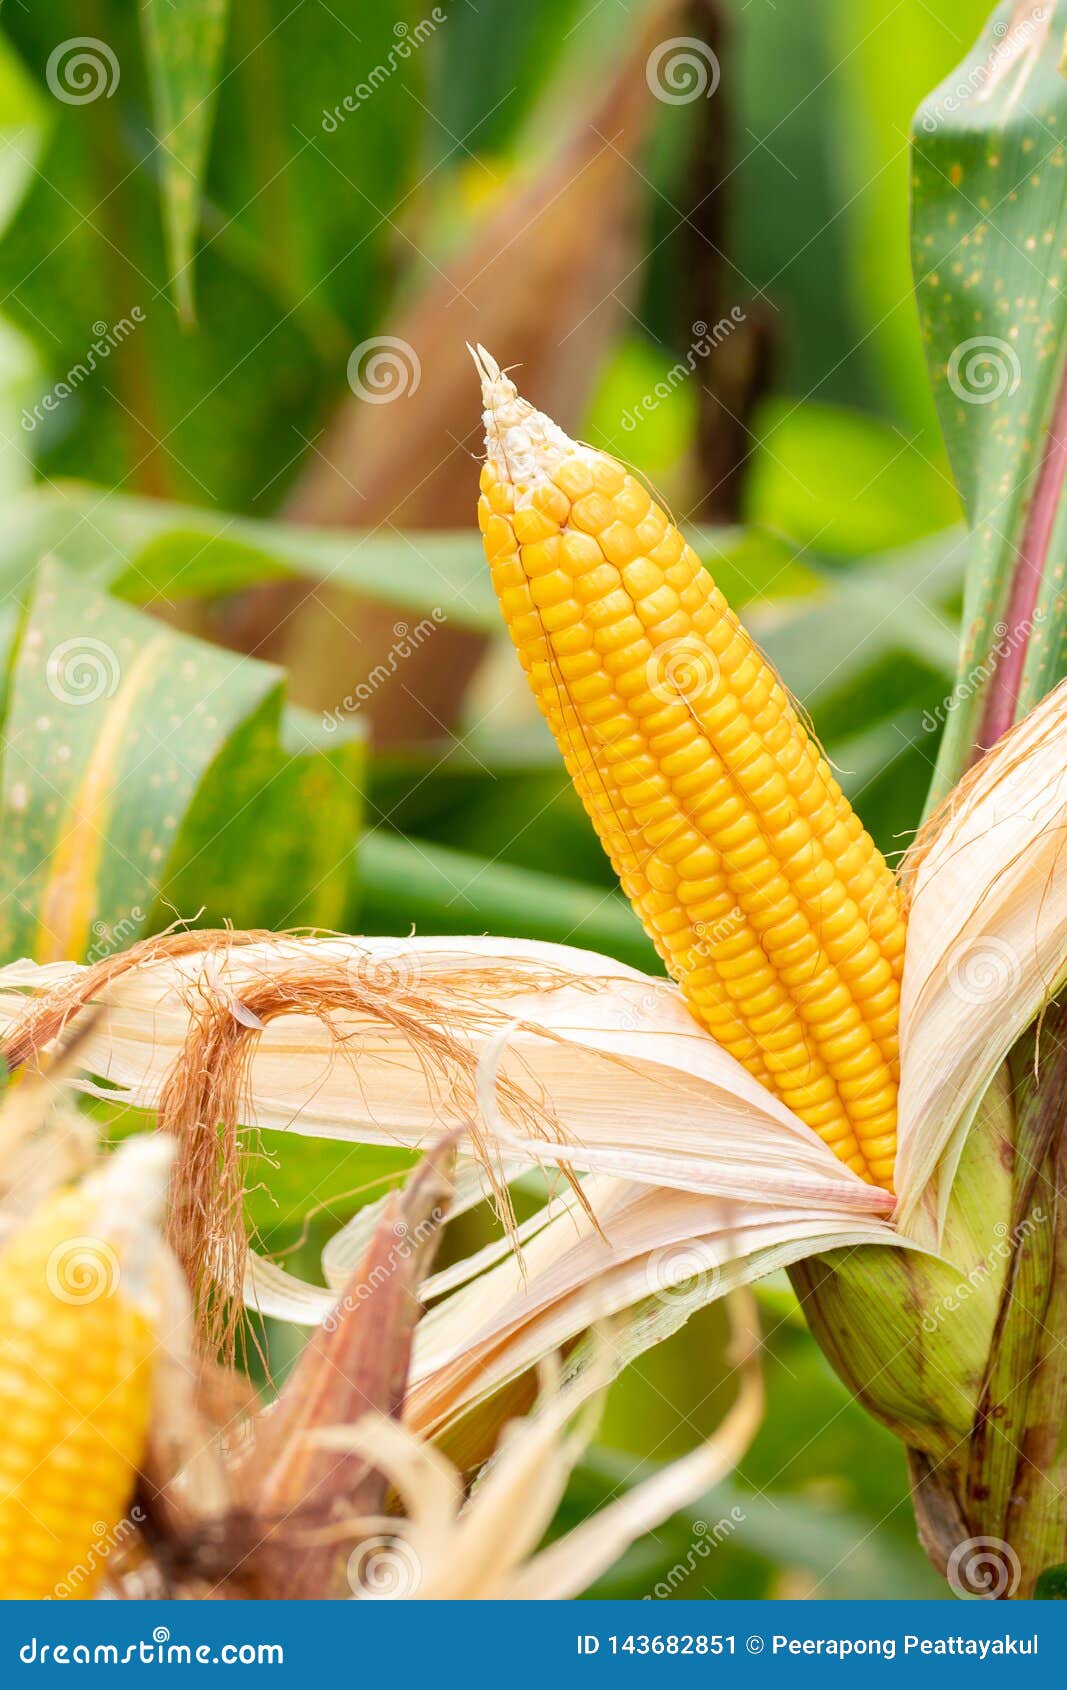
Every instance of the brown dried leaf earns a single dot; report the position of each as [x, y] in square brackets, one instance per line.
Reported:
[355, 1363]
[546, 281]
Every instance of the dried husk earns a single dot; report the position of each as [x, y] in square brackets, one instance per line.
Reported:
[305, 1500]
[386, 1042]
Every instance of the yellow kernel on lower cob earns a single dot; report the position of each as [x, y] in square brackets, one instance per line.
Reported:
[753, 877]
[76, 1350]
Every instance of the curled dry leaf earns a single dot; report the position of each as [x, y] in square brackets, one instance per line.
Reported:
[485, 1547]
[380, 1041]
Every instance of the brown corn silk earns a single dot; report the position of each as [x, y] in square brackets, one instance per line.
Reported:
[763, 894]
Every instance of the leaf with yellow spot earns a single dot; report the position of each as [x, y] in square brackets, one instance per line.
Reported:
[989, 199]
[148, 775]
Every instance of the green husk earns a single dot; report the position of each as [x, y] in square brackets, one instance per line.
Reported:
[964, 1362]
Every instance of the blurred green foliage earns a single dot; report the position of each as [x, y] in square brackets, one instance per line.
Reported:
[260, 248]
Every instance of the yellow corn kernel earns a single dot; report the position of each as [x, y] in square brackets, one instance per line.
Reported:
[765, 898]
[76, 1346]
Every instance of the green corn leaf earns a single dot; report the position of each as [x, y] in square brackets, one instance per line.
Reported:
[990, 259]
[184, 47]
[885, 59]
[446, 891]
[1052, 1584]
[269, 839]
[843, 482]
[896, 605]
[834, 1544]
[146, 549]
[148, 776]
[23, 122]
[296, 262]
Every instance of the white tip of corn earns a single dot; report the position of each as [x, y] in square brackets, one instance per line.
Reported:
[130, 1200]
[523, 446]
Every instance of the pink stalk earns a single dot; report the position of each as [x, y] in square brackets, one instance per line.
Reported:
[1003, 696]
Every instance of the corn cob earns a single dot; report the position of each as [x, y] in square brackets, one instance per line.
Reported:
[756, 882]
[76, 1345]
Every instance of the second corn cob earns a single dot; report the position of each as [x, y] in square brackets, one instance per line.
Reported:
[76, 1346]
[752, 875]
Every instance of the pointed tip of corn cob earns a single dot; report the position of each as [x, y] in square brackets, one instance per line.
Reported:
[129, 1196]
[523, 446]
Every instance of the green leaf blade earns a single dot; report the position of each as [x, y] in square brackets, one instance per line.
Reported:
[183, 46]
[149, 776]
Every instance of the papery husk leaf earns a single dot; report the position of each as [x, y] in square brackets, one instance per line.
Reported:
[274, 1291]
[469, 1188]
[986, 947]
[378, 1041]
[570, 1566]
[651, 1260]
[271, 1290]
[466, 1549]
[481, 1548]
